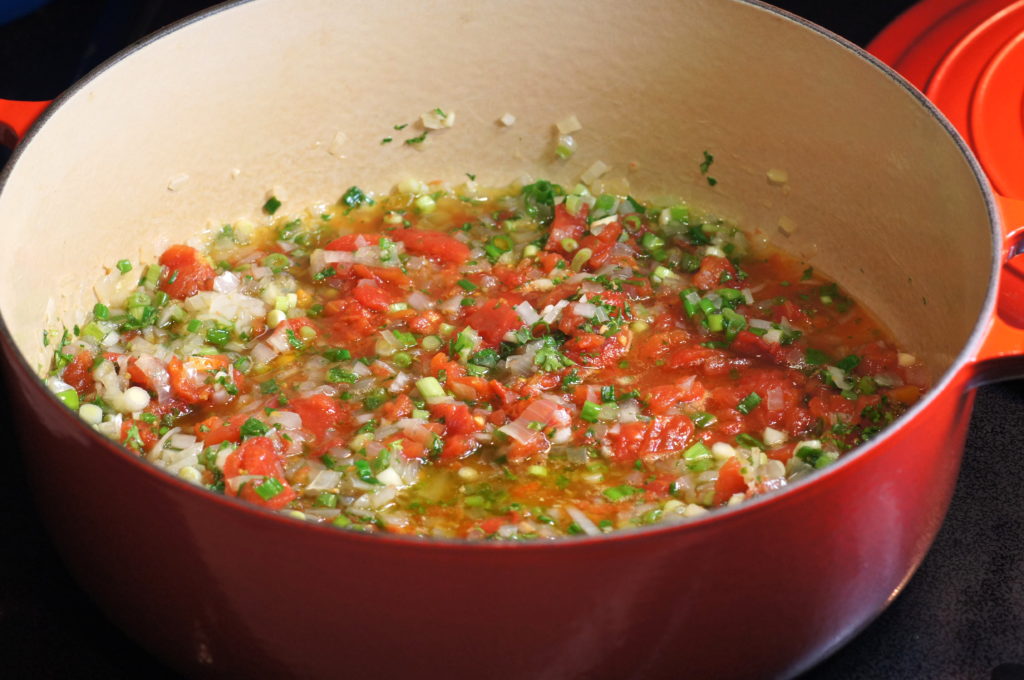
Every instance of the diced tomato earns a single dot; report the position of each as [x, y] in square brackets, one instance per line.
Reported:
[491, 525]
[906, 394]
[410, 449]
[749, 345]
[433, 244]
[565, 226]
[399, 407]
[387, 276]
[658, 345]
[350, 321]
[709, 276]
[137, 375]
[730, 481]
[372, 296]
[319, 414]
[78, 373]
[656, 438]
[191, 379]
[217, 429]
[493, 319]
[875, 359]
[257, 456]
[513, 277]
[658, 487]
[710, 362]
[601, 245]
[425, 323]
[135, 431]
[662, 399]
[348, 242]
[549, 262]
[789, 311]
[458, 446]
[457, 418]
[591, 349]
[782, 453]
[185, 272]
[533, 449]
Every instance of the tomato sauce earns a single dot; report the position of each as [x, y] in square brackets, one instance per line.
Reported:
[509, 364]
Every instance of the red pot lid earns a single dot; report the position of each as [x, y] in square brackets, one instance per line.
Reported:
[968, 57]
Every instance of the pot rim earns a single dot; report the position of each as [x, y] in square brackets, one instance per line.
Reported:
[788, 493]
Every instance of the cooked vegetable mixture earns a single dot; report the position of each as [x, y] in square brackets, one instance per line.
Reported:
[529, 362]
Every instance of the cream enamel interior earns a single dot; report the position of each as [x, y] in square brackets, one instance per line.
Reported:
[253, 97]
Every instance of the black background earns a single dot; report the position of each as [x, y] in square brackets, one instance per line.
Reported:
[961, 616]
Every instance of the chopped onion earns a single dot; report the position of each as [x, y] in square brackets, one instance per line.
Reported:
[263, 353]
[838, 377]
[289, 420]
[278, 340]
[451, 305]
[774, 398]
[325, 480]
[227, 282]
[527, 313]
[418, 301]
[519, 432]
[551, 312]
[582, 521]
[585, 309]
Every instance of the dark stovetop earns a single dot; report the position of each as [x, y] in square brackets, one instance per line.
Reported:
[961, 616]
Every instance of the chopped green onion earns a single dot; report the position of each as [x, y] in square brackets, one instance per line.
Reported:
[69, 398]
[218, 336]
[698, 457]
[326, 500]
[590, 411]
[430, 343]
[404, 339]
[424, 204]
[364, 472]
[402, 359]
[618, 493]
[569, 244]
[652, 242]
[467, 285]
[430, 389]
[269, 488]
[748, 403]
[661, 273]
[702, 419]
[124, 266]
[581, 257]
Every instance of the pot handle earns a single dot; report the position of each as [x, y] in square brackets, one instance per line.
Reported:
[1001, 355]
[16, 118]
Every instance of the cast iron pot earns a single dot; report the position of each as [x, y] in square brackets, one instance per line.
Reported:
[197, 124]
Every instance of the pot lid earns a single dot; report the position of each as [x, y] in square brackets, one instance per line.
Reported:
[967, 56]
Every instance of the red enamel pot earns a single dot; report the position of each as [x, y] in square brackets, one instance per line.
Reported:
[196, 124]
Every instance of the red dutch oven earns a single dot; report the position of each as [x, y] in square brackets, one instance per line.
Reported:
[196, 124]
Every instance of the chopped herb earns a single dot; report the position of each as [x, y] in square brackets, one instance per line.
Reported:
[324, 274]
[271, 206]
[254, 428]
